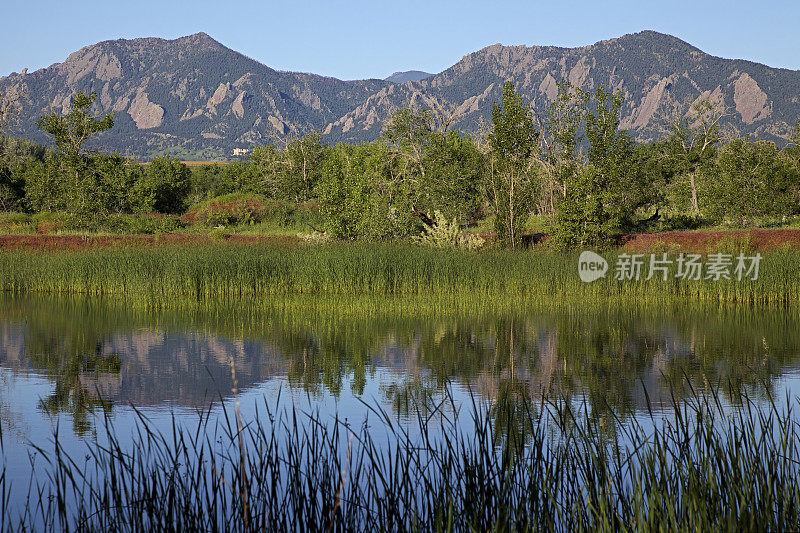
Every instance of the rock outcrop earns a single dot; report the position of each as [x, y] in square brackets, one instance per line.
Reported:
[196, 93]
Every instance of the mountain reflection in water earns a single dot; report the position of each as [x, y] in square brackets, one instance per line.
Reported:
[98, 355]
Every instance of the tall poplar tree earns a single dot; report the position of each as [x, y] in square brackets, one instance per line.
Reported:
[512, 142]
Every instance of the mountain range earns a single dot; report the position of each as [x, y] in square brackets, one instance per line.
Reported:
[195, 98]
[408, 75]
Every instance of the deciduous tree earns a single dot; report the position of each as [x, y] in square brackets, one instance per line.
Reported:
[513, 140]
[169, 181]
[70, 133]
[752, 179]
[694, 136]
[560, 135]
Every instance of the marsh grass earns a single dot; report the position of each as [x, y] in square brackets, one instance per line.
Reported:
[523, 465]
[168, 275]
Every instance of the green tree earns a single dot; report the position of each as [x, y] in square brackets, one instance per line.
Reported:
[752, 179]
[625, 182]
[603, 196]
[117, 185]
[456, 170]
[169, 181]
[45, 186]
[512, 141]
[268, 164]
[793, 147]
[607, 143]
[10, 186]
[558, 154]
[342, 194]
[443, 168]
[17, 156]
[583, 217]
[361, 195]
[693, 141]
[409, 133]
[70, 133]
[302, 163]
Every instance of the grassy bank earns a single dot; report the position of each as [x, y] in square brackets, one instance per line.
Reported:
[167, 275]
[514, 466]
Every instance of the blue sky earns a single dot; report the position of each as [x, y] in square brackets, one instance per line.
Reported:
[352, 40]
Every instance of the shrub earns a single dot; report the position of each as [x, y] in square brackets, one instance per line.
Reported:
[681, 222]
[15, 223]
[238, 208]
[169, 224]
[444, 234]
[315, 237]
[219, 232]
[52, 222]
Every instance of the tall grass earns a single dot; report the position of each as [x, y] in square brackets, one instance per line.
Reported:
[167, 275]
[513, 466]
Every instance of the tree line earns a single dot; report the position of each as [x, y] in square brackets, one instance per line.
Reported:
[573, 169]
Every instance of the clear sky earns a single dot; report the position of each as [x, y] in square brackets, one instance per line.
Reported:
[363, 39]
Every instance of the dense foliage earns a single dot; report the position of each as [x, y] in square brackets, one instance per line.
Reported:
[574, 171]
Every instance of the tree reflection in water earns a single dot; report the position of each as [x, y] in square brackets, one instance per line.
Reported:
[100, 354]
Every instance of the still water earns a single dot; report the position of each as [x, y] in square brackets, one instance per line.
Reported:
[65, 364]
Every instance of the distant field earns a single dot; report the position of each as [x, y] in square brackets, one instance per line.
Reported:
[200, 163]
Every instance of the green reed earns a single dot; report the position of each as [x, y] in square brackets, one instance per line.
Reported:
[168, 275]
[693, 466]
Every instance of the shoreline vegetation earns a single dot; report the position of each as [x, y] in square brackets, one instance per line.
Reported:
[517, 465]
[188, 274]
[571, 173]
[702, 240]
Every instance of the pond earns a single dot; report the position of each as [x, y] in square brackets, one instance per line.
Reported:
[69, 365]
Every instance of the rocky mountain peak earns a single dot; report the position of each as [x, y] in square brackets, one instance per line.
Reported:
[408, 75]
[200, 39]
[194, 95]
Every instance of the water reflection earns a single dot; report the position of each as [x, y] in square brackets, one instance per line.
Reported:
[97, 355]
